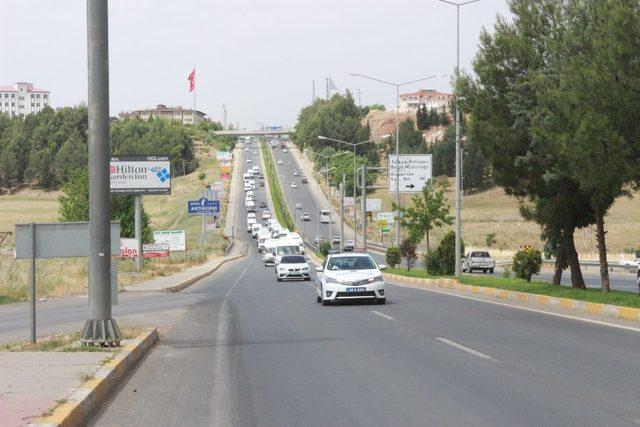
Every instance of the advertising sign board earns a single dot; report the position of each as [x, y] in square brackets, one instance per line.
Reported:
[176, 239]
[386, 216]
[140, 175]
[155, 250]
[415, 170]
[374, 205]
[203, 206]
[128, 248]
[224, 156]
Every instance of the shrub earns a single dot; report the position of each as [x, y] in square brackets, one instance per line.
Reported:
[324, 248]
[442, 261]
[526, 263]
[393, 256]
[431, 263]
[506, 273]
[408, 250]
[202, 176]
[490, 239]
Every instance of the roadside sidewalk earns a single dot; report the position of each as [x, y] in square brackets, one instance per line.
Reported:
[179, 281]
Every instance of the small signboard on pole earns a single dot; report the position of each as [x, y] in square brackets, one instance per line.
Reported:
[203, 206]
[415, 171]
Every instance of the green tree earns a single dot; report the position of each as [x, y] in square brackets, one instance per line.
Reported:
[434, 117]
[429, 211]
[411, 139]
[392, 256]
[526, 263]
[409, 251]
[74, 206]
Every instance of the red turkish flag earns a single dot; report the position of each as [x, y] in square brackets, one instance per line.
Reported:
[192, 80]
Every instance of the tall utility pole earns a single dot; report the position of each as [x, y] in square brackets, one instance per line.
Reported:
[342, 212]
[458, 202]
[224, 112]
[397, 86]
[100, 328]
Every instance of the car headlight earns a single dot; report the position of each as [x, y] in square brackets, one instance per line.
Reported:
[331, 280]
[376, 279]
[305, 268]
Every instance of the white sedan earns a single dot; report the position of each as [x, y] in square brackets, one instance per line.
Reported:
[249, 161]
[292, 267]
[349, 276]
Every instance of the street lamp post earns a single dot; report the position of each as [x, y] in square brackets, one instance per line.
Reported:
[397, 86]
[354, 145]
[458, 203]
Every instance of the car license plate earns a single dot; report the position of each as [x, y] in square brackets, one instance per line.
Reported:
[356, 290]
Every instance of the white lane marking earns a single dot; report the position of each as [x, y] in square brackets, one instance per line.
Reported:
[468, 350]
[377, 313]
[518, 307]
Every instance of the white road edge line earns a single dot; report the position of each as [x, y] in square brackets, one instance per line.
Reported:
[518, 307]
[468, 350]
[377, 313]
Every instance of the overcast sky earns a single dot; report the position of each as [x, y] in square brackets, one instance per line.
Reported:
[257, 56]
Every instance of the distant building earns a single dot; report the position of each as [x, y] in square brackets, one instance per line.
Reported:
[183, 115]
[22, 98]
[429, 97]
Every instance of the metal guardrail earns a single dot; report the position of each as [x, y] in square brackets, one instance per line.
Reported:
[229, 246]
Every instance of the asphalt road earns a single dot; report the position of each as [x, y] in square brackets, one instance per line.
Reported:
[255, 352]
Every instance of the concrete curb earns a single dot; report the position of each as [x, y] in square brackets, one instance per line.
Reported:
[85, 400]
[190, 281]
[565, 304]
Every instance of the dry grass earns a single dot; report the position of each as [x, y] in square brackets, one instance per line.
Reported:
[493, 211]
[60, 277]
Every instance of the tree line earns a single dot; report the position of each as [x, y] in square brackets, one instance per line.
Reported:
[553, 107]
[44, 150]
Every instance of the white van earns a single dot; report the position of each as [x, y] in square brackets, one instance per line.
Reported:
[255, 228]
[296, 238]
[263, 236]
[269, 252]
[286, 247]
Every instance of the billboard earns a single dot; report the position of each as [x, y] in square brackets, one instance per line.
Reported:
[176, 239]
[140, 175]
[373, 205]
[128, 248]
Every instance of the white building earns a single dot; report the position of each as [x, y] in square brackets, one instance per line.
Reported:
[22, 98]
[429, 97]
[183, 115]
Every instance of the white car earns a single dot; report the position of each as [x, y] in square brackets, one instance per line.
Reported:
[350, 276]
[249, 161]
[292, 267]
[294, 184]
[251, 215]
[298, 205]
[250, 223]
[295, 173]
[284, 150]
[266, 215]
[279, 162]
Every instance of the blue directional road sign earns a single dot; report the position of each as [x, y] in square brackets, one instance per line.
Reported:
[203, 207]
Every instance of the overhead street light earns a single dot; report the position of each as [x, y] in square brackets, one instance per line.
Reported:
[397, 86]
[458, 203]
[354, 145]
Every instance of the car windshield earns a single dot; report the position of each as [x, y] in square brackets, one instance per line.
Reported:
[350, 263]
[293, 259]
[480, 254]
[288, 250]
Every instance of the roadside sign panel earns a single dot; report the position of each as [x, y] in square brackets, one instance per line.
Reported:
[385, 229]
[349, 201]
[224, 156]
[203, 206]
[60, 240]
[381, 223]
[155, 250]
[176, 239]
[139, 175]
[415, 170]
[128, 248]
[386, 216]
[373, 205]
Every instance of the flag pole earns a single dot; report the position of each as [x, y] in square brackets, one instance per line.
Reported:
[193, 113]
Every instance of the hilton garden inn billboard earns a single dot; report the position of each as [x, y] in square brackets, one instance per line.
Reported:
[139, 175]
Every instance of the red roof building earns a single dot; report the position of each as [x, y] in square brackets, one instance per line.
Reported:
[23, 98]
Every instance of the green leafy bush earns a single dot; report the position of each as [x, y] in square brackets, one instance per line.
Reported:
[392, 256]
[324, 248]
[442, 261]
[526, 263]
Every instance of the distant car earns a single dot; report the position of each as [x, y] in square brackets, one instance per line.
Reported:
[246, 149]
[478, 260]
[298, 205]
[305, 217]
[350, 276]
[261, 183]
[336, 240]
[284, 150]
[292, 267]
[279, 162]
[294, 184]
[630, 263]
[266, 215]
[349, 245]
[304, 180]
[295, 173]
[318, 239]
[255, 153]
[263, 205]
[249, 161]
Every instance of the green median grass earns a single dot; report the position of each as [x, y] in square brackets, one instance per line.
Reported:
[6, 299]
[621, 298]
[279, 205]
